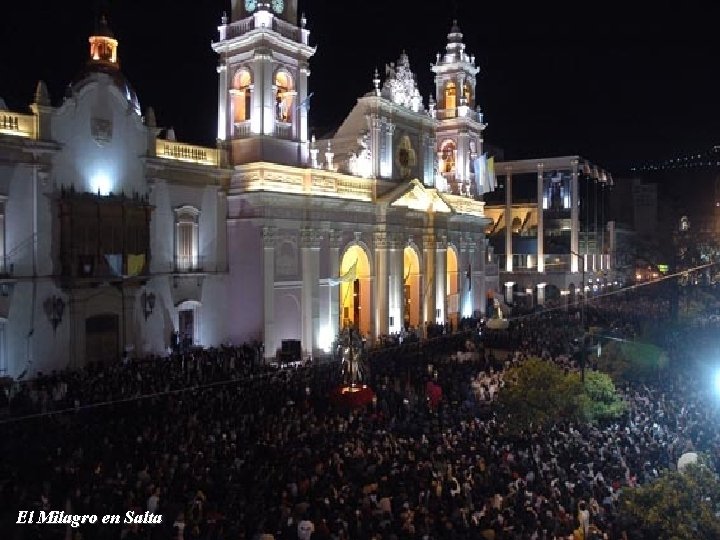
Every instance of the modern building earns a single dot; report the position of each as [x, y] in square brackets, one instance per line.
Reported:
[116, 237]
[549, 229]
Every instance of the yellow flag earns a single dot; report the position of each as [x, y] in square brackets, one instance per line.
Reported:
[135, 264]
[492, 180]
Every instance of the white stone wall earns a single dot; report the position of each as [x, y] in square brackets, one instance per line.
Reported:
[101, 141]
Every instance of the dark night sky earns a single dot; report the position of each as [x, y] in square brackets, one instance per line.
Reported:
[616, 84]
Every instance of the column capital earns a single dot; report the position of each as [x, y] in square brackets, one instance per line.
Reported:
[394, 241]
[428, 240]
[310, 238]
[335, 238]
[269, 237]
[441, 243]
[381, 239]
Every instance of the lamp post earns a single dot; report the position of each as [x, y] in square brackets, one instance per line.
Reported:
[582, 306]
[583, 342]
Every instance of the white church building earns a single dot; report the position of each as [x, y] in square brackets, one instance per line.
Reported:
[114, 235]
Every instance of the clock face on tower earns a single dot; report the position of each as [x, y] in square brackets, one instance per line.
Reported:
[250, 5]
[278, 6]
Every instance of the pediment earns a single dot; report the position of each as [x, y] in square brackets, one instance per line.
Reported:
[415, 196]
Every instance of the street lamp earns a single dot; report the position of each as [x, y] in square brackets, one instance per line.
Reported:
[582, 306]
[584, 341]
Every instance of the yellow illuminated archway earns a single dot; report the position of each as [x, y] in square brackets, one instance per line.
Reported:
[411, 288]
[452, 288]
[355, 290]
[450, 96]
[284, 96]
[241, 95]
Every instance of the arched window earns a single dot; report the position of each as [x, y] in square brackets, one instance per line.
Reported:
[241, 95]
[448, 154]
[186, 239]
[450, 96]
[284, 96]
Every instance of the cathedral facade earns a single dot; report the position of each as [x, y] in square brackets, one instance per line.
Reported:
[117, 238]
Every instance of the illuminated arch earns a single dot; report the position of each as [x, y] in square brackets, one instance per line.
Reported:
[411, 287]
[452, 285]
[450, 95]
[355, 294]
[448, 154]
[242, 81]
[284, 96]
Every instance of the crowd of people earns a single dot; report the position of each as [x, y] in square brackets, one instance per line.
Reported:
[224, 447]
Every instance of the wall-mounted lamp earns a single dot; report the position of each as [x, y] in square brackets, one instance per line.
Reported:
[148, 303]
[54, 308]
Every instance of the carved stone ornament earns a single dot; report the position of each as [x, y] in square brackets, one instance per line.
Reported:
[405, 157]
[400, 85]
[101, 130]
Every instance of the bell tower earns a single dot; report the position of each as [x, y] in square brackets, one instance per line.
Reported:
[460, 126]
[263, 85]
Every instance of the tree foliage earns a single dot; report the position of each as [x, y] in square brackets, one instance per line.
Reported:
[600, 400]
[676, 506]
[632, 361]
[538, 393]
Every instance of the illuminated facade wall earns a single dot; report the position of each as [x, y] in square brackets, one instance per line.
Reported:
[255, 240]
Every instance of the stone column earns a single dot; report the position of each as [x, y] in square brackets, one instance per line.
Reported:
[223, 121]
[334, 312]
[374, 128]
[480, 298]
[541, 294]
[266, 95]
[310, 298]
[540, 226]
[395, 287]
[428, 285]
[381, 284]
[269, 239]
[301, 125]
[465, 291]
[441, 280]
[462, 165]
[508, 223]
[574, 218]
[386, 160]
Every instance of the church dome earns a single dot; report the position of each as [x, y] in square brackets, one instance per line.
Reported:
[103, 59]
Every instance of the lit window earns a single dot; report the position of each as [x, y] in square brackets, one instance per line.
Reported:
[284, 97]
[241, 95]
[450, 96]
[186, 238]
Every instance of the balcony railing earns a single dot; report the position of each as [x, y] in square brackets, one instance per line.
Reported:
[195, 265]
[283, 28]
[283, 130]
[241, 129]
[18, 125]
[560, 262]
[189, 153]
